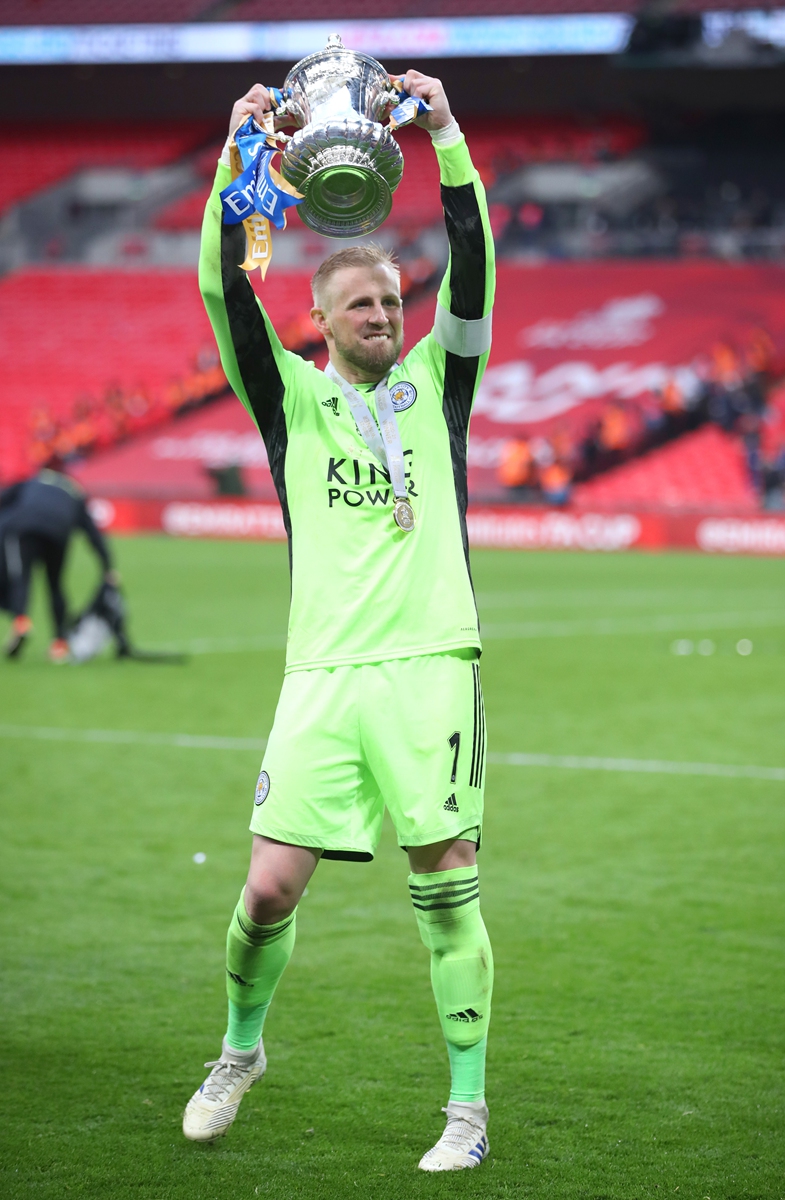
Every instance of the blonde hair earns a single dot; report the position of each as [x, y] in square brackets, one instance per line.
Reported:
[369, 255]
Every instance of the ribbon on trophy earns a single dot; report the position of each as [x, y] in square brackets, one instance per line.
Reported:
[258, 194]
[409, 109]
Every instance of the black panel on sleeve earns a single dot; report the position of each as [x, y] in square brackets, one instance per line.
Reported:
[467, 249]
[258, 368]
[460, 377]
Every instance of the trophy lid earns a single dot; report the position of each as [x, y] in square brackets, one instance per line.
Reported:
[334, 49]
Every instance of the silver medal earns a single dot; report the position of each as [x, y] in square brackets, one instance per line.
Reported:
[403, 515]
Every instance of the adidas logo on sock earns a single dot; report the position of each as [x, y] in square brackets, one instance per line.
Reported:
[239, 979]
[468, 1017]
[450, 804]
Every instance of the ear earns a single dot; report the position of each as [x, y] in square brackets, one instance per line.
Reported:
[319, 318]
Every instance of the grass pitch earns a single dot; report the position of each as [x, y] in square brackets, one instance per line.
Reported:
[636, 915]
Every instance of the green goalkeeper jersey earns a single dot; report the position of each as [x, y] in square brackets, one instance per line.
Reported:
[364, 590]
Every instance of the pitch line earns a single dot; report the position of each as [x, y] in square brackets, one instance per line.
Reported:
[641, 766]
[602, 626]
[131, 737]
[192, 741]
[580, 627]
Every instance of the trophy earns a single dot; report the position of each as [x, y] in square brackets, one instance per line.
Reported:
[342, 160]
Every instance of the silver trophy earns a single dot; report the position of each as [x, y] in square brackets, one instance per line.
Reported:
[342, 159]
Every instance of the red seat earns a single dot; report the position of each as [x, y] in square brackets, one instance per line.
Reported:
[116, 349]
[701, 470]
[76, 146]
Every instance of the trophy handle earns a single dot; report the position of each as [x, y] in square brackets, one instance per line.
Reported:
[385, 102]
[286, 110]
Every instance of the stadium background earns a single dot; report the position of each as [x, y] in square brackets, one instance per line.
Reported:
[637, 201]
[632, 867]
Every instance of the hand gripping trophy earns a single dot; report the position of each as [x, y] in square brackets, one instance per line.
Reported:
[381, 704]
[341, 166]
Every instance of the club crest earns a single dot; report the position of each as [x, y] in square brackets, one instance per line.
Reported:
[262, 788]
[403, 395]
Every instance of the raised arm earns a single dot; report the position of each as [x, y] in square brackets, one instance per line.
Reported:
[258, 368]
[463, 313]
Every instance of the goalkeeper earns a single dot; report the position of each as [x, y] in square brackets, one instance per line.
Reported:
[381, 702]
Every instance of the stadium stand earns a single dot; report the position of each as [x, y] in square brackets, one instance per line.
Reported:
[704, 470]
[139, 145]
[92, 356]
[190, 457]
[96, 356]
[498, 147]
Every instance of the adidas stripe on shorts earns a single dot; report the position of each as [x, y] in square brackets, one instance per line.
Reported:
[408, 734]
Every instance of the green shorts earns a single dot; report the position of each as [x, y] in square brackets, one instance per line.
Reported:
[408, 733]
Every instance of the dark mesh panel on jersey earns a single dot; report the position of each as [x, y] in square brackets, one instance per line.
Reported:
[258, 368]
[467, 249]
[467, 299]
[460, 376]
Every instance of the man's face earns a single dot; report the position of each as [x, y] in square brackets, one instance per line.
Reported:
[362, 315]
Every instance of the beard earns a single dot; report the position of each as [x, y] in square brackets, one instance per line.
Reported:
[374, 357]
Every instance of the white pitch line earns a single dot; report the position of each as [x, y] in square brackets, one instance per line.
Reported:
[131, 737]
[582, 627]
[192, 741]
[603, 626]
[643, 766]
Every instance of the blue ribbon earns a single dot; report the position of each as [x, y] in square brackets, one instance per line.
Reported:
[410, 108]
[255, 190]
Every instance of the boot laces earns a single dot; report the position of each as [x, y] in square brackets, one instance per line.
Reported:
[222, 1078]
[458, 1131]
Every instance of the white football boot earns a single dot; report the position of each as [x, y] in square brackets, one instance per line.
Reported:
[464, 1142]
[211, 1110]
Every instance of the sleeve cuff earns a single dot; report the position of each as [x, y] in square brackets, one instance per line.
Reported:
[450, 135]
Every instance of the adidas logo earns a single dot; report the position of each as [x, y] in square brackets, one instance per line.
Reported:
[450, 804]
[238, 979]
[331, 403]
[468, 1017]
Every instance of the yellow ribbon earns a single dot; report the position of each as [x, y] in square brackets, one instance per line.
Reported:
[258, 234]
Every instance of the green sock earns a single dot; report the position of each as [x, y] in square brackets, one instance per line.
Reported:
[447, 907]
[256, 957]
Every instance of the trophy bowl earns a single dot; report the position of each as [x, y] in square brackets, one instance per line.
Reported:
[343, 160]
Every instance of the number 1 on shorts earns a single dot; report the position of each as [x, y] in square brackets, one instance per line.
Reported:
[455, 742]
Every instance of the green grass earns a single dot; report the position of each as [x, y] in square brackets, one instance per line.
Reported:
[637, 919]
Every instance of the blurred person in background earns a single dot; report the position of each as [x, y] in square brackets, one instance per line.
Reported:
[37, 519]
[516, 467]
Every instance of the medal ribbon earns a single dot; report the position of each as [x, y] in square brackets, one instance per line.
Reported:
[387, 445]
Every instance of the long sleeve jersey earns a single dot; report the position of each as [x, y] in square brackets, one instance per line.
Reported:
[362, 589]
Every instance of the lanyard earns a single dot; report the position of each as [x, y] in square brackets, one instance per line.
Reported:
[383, 441]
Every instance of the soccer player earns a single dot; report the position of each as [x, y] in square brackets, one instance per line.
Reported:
[37, 519]
[381, 701]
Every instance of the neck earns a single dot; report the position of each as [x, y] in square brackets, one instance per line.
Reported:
[354, 374]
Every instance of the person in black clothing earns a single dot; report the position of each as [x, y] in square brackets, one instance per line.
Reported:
[37, 518]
